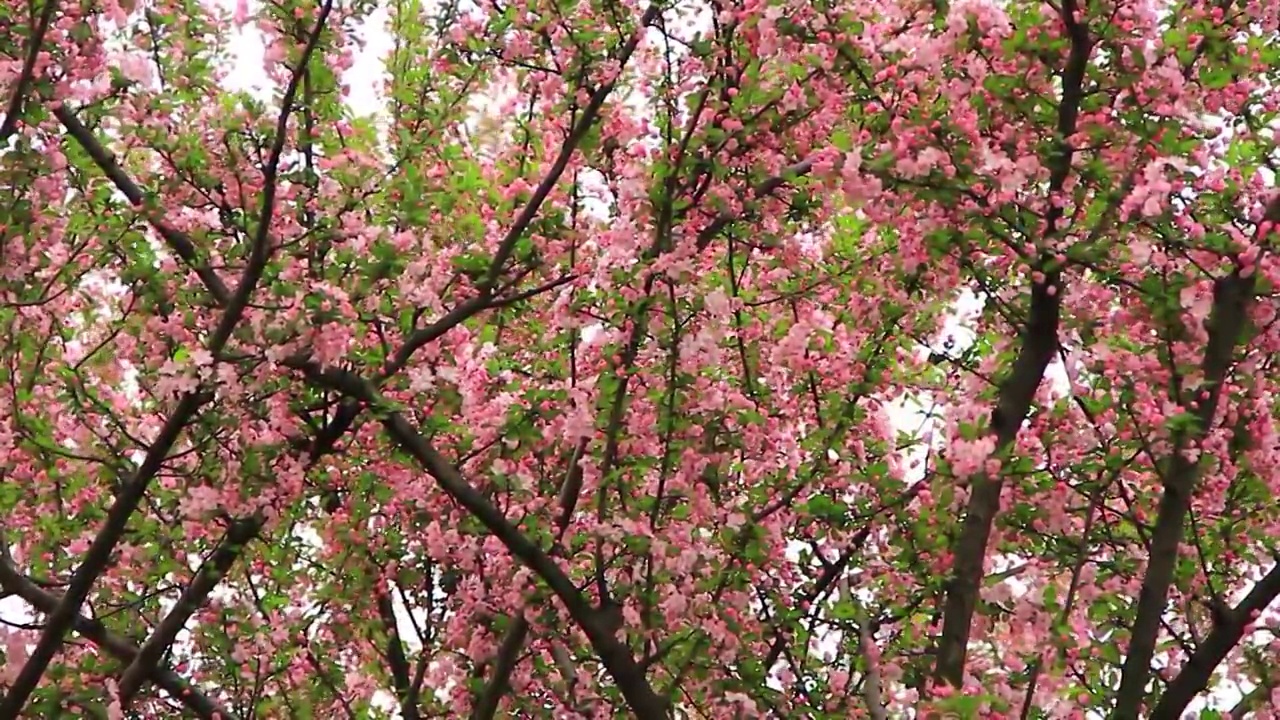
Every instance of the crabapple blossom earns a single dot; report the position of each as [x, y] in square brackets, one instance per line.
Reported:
[699, 359]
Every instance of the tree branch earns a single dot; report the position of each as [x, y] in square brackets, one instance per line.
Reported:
[499, 680]
[27, 75]
[1232, 296]
[585, 121]
[767, 187]
[1039, 343]
[527, 214]
[63, 617]
[613, 653]
[180, 242]
[1258, 696]
[394, 654]
[191, 600]
[240, 534]
[1194, 677]
[132, 492]
[175, 685]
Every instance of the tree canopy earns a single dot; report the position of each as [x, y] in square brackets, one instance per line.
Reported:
[695, 358]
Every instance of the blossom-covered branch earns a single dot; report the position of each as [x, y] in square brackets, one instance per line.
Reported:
[12, 581]
[694, 358]
[134, 488]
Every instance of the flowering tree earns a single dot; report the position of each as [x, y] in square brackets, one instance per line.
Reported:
[572, 382]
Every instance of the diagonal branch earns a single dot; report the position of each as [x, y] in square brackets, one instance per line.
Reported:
[585, 121]
[763, 190]
[25, 77]
[63, 617]
[1194, 677]
[485, 300]
[1232, 297]
[496, 686]
[175, 685]
[614, 654]
[132, 492]
[180, 242]
[529, 212]
[1256, 698]
[515, 636]
[191, 600]
[458, 315]
[241, 532]
[396, 660]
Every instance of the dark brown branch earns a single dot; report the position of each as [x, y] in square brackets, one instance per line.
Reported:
[180, 242]
[764, 189]
[1257, 697]
[1227, 631]
[613, 653]
[397, 663]
[585, 121]
[63, 617]
[1039, 343]
[529, 212]
[1016, 393]
[27, 75]
[490, 696]
[240, 534]
[458, 315]
[571, 488]
[191, 600]
[500, 678]
[185, 249]
[1232, 296]
[1193, 678]
[122, 649]
[132, 492]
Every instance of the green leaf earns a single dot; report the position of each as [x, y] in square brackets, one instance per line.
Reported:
[823, 507]
[1216, 78]
[844, 610]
